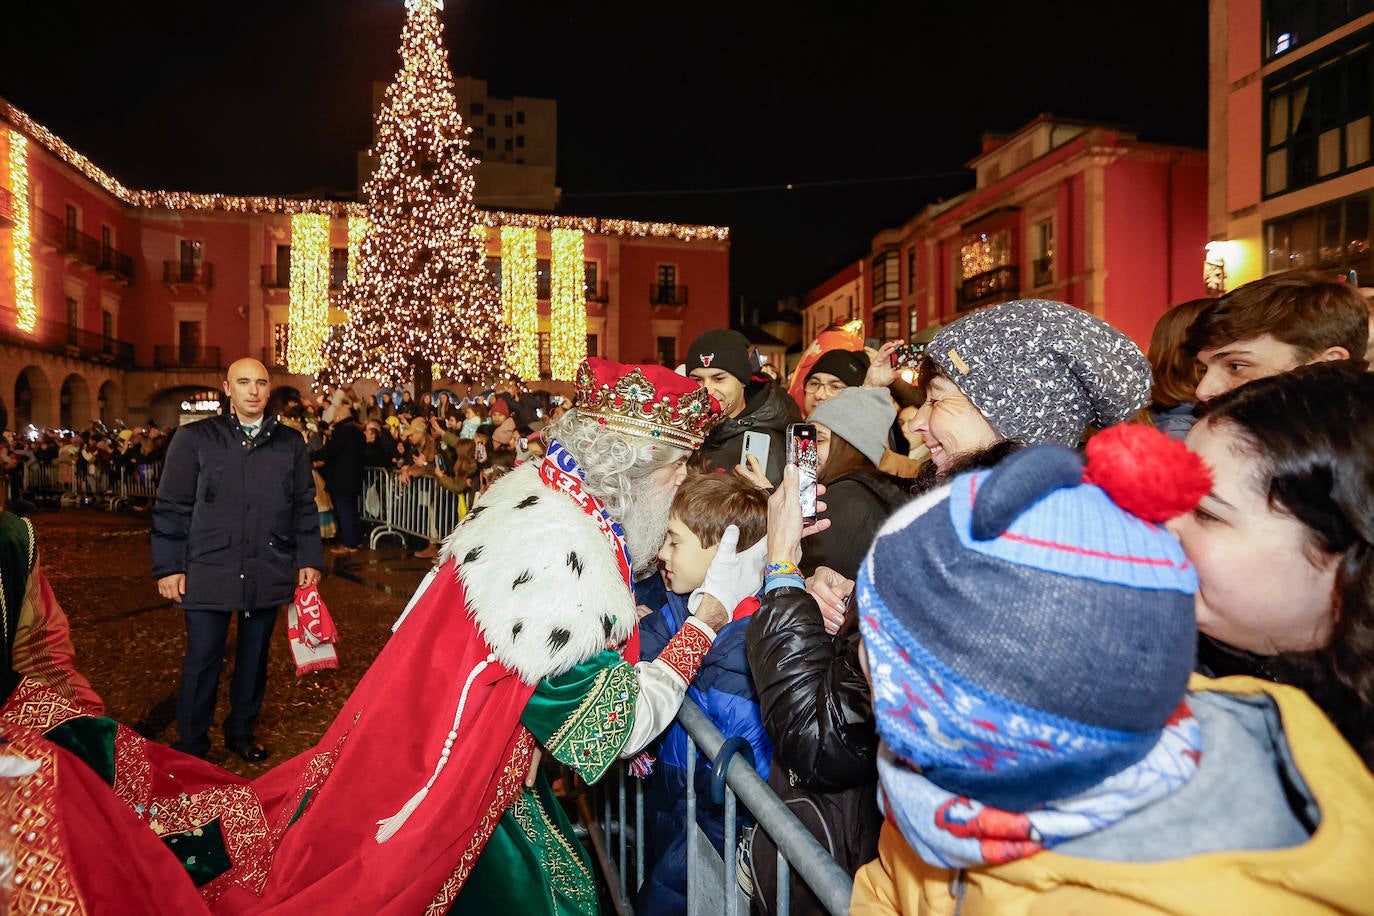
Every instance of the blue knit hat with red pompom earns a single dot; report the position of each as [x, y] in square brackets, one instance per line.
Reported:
[1027, 635]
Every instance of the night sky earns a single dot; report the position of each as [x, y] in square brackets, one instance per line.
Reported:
[691, 112]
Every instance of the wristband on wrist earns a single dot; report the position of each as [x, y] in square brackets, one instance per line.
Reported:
[785, 568]
[775, 581]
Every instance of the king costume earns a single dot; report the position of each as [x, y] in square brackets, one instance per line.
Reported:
[414, 801]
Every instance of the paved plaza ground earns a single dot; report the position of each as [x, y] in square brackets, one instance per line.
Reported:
[129, 640]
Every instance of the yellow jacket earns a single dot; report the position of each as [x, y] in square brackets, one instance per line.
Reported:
[1333, 872]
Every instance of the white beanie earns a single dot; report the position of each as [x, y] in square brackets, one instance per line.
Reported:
[860, 416]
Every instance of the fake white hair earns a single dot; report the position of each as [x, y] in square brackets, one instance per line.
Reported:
[613, 461]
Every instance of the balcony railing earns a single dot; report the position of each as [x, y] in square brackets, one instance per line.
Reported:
[82, 247]
[599, 292]
[66, 340]
[196, 273]
[1001, 284]
[272, 278]
[661, 294]
[177, 356]
[116, 264]
[49, 231]
[6, 206]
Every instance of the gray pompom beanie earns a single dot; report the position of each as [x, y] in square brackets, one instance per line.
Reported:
[1043, 371]
[859, 416]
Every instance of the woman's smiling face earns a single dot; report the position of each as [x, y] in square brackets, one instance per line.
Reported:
[950, 425]
[1262, 586]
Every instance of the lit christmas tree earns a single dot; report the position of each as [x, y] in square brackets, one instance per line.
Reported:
[419, 299]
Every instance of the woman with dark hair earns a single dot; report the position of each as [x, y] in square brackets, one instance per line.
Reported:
[1284, 543]
[1176, 371]
[851, 434]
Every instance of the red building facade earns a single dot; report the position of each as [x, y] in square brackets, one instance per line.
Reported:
[1081, 213]
[140, 299]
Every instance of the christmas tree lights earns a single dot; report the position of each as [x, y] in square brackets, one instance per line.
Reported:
[419, 299]
[568, 303]
[519, 292]
[21, 236]
[308, 314]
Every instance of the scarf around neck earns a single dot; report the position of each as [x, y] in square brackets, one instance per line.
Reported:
[953, 831]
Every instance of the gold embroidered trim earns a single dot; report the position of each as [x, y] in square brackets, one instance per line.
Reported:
[42, 882]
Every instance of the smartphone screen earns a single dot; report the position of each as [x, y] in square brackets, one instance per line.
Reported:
[801, 451]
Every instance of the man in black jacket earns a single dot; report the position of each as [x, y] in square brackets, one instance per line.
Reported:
[719, 361]
[343, 458]
[235, 514]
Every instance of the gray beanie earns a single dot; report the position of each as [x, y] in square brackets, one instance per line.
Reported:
[859, 416]
[1043, 371]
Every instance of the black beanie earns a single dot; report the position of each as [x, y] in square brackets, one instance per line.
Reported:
[849, 366]
[721, 349]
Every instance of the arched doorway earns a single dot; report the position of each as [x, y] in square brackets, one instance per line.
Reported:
[32, 398]
[111, 403]
[74, 403]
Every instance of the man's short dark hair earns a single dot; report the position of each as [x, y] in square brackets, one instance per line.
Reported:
[1306, 309]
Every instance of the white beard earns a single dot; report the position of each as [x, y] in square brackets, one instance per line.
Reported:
[646, 524]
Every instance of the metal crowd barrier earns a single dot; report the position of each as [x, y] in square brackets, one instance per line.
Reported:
[712, 885]
[112, 487]
[420, 507]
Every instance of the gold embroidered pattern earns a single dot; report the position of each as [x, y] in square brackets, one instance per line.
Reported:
[39, 707]
[241, 820]
[685, 652]
[567, 872]
[42, 883]
[510, 785]
[592, 738]
[133, 775]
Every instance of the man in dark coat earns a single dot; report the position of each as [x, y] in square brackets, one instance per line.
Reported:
[344, 457]
[719, 361]
[235, 515]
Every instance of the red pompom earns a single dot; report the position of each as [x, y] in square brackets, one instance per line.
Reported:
[1145, 472]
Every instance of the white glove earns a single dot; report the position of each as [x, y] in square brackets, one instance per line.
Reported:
[732, 576]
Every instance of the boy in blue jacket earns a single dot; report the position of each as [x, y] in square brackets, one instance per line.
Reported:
[723, 689]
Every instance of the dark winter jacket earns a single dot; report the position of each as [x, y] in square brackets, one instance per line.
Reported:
[721, 689]
[343, 456]
[236, 515]
[857, 506]
[818, 711]
[381, 451]
[768, 409]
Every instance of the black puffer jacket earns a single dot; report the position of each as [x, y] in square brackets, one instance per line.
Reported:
[769, 409]
[813, 696]
[818, 712]
[236, 515]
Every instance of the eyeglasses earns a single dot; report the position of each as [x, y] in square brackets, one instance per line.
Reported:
[813, 385]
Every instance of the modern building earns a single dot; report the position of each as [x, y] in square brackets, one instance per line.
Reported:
[117, 303]
[514, 140]
[1291, 91]
[1084, 213]
[842, 297]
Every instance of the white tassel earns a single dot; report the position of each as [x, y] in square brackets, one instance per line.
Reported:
[388, 827]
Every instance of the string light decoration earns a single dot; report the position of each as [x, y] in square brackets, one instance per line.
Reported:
[308, 314]
[519, 295]
[21, 236]
[567, 303]
[418, 300]
[357, 229]
[228, 203]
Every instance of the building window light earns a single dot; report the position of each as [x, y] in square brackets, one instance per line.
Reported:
[1283, 42]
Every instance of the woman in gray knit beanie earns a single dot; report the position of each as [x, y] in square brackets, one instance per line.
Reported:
[1029, 371]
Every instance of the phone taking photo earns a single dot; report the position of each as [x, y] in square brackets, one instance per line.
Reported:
[757, 444]
[801, 453]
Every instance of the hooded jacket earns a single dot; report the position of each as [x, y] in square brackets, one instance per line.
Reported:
[770, 410]
[1321, 784]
